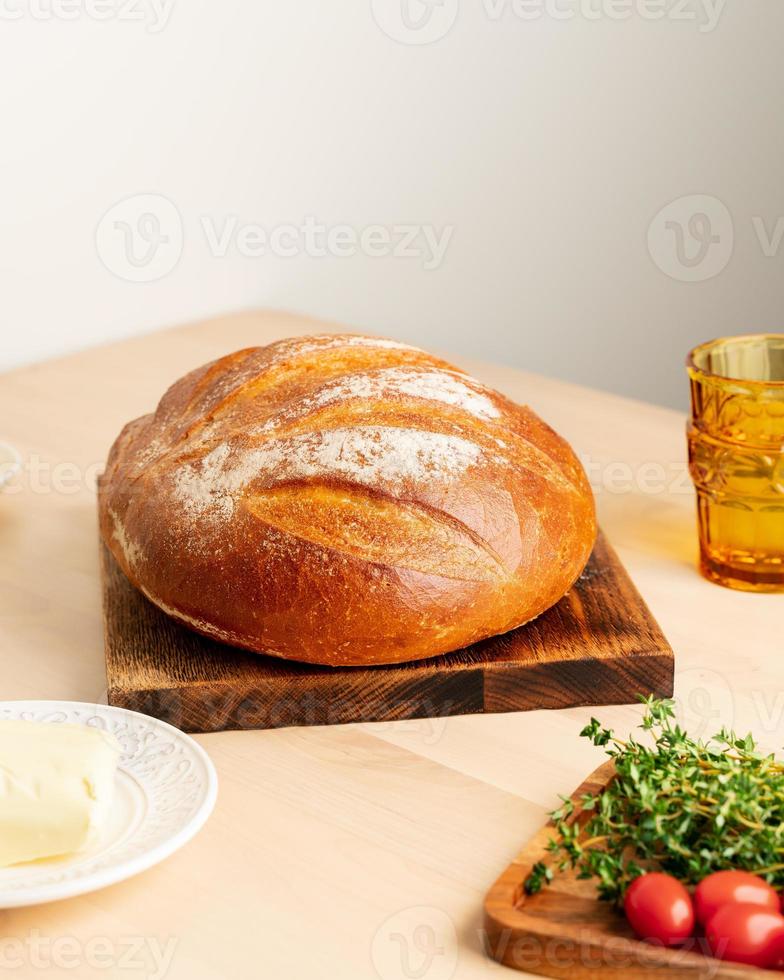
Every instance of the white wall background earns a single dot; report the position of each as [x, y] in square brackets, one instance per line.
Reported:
[547, 145]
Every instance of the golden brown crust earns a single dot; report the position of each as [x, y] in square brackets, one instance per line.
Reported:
[342, 499]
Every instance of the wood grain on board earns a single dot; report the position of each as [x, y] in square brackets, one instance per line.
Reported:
[412, 800]
[566, 931]
[598, 645]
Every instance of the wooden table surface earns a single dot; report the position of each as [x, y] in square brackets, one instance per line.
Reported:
[346, 852]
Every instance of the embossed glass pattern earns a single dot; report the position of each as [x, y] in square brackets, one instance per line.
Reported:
[736, 458]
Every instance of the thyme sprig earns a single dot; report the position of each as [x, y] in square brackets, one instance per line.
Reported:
[677, 805]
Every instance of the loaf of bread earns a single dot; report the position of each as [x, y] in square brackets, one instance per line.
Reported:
[342, 499]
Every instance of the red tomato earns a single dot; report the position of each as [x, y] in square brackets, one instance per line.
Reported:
[746, 934]
[659, 908]
[725, 887]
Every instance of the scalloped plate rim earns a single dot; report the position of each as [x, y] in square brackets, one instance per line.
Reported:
[93, 880]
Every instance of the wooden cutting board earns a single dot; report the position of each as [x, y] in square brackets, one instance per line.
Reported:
[599, 645]
[565, 931]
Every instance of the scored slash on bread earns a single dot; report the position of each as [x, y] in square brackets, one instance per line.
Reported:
[342, 499]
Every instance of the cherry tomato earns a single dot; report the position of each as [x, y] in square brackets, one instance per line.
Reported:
[725, 887]
[659, 908]
[746, 934]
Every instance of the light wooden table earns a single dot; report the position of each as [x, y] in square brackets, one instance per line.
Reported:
[339, 852]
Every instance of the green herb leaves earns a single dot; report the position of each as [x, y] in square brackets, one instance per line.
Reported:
[677, 805]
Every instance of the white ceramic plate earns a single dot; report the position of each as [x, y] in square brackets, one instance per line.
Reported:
[10, 463]
[165, 790]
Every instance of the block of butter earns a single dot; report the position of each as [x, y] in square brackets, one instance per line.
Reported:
[56, 788]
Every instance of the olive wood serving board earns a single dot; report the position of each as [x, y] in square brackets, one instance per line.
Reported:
[598, 645]
[566, 931]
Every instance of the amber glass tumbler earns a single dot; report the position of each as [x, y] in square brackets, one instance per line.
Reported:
[736, 459]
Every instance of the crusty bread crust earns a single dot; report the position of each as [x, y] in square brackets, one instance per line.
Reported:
[342, 499]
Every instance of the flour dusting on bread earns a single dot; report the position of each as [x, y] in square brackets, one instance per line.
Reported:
[342, 499]
[131, 551]
[296, 346]
[444, 387]
[381, 457]
[206, 486]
